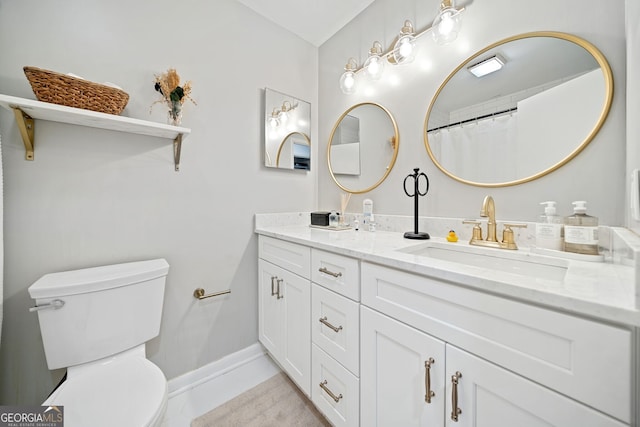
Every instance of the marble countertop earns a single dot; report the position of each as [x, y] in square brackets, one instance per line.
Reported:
[604, 291]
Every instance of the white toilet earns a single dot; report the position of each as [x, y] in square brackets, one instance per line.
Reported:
[95, 323]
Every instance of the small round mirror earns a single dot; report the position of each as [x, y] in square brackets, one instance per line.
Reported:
[363, 147]
[546, 96]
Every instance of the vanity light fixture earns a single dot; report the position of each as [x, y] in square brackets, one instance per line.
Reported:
[404, 48]
[279, 116]
[374, 65]
[446, 26]
[487, 66]
[444, 29]
[348, 78]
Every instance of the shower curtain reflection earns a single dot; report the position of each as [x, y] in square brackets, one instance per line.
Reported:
[474, 149]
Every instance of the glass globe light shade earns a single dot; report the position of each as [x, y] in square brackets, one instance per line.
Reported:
[283, 117]
[273, 119]
[374, 66]
[404, 49]
[446, 26]
[348, 82]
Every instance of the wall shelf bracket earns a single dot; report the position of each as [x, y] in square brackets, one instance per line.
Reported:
[26, 125]
[177, 148]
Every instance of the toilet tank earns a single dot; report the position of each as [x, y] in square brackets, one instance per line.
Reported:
[105, 310]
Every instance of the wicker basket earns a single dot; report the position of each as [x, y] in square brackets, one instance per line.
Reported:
[62, 89]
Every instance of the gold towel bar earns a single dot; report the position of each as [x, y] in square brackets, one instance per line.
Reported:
[199, 293]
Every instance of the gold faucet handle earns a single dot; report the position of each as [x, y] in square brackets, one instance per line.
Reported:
[477, 231]
[508, 237]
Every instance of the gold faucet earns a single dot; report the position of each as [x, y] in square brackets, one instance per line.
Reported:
[488, 210]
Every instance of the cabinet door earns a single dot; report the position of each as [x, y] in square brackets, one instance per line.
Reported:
[295, 299]
[269, 314]
[489, 396]
[397, 364]
[284, 321]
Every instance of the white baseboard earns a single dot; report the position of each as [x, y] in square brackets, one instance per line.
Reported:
[197, 392]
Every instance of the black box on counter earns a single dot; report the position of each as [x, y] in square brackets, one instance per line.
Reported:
[320, 218]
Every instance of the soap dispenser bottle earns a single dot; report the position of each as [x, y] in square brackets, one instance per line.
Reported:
[367, 212]
[549, 229]
[581, 231]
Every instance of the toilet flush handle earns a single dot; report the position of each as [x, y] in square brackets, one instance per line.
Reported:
[54, 304]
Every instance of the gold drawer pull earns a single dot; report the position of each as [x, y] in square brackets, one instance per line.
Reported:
[330, 273]
[427, 380]
[323, 385]
[324, 321]
[455, 411]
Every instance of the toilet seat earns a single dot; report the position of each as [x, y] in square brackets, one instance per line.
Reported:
[126, 391]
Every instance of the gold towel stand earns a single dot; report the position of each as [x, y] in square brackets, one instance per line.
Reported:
[199, 293]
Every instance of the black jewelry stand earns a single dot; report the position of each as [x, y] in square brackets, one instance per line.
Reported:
[416, 192]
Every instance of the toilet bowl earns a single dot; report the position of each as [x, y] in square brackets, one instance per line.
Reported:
[95, 322]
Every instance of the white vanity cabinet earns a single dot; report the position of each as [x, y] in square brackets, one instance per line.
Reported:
[335, 333]
[376, 343]
[520, 364]
[284, 307]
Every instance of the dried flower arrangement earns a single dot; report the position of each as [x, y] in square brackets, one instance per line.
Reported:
[173, 93]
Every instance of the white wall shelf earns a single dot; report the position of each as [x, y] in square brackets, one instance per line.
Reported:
[27, 111]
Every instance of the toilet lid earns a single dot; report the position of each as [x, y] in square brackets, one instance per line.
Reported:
[130, 392]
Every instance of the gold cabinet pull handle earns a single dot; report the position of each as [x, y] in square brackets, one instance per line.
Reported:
[428, 394]
[330, 273]
[455, 411]
[273, 285]
[323, 385]
[324, 321]
[279, 296]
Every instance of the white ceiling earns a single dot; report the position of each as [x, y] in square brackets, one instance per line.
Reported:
[313, 20]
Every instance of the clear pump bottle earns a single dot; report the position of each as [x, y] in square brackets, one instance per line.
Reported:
[549, 229]
[581, 231]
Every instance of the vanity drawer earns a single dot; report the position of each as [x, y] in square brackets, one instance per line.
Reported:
[290, 256]
[335, 326]
[339, 273]
[334, 390]
[581, 358]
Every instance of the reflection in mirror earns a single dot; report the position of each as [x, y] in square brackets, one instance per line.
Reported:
[294, 152]
[363, 147]
[546, 101]
[286, 131]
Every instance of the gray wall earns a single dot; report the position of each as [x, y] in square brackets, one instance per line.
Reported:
[98, 197]
[596, 175]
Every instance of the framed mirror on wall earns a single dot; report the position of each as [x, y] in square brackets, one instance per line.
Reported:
[287, 126]
[545, 97]
[363, 147]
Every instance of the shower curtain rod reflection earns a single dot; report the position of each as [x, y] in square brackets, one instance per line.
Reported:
[486, 116]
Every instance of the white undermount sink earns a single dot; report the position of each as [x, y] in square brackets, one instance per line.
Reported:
[523, 264]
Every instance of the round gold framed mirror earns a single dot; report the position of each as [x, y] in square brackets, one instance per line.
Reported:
[547, 97]
[363, 147]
